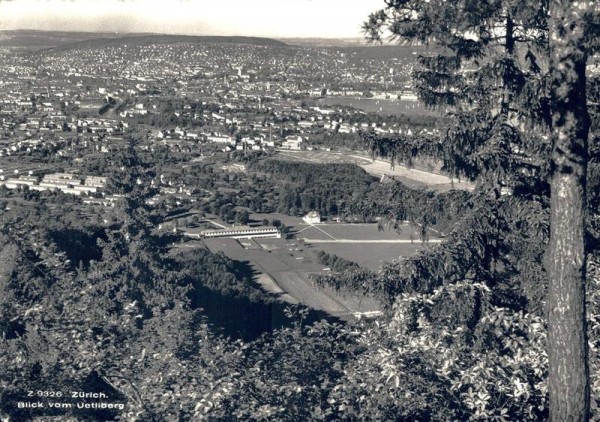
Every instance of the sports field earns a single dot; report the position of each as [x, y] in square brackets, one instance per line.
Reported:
[379, 168]
[350, 231]
[383, 106]
[364, 244]
[283, 267]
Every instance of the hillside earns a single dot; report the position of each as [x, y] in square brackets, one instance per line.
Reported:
[63, 40]
[169, 39]
[32, 39]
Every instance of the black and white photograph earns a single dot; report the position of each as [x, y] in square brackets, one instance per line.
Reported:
[299, 210]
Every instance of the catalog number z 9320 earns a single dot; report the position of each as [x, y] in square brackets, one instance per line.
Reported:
[45, 393]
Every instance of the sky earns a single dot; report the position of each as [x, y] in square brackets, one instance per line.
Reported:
[266, 18]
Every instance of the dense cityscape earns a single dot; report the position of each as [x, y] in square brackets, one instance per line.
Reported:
[69, 104]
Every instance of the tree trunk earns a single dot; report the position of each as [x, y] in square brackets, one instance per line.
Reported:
[568, 381]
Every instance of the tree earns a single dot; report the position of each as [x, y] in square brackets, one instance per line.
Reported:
[242, 217]
[513, 75]
[123, 321]
[131, 179]
[567, 347]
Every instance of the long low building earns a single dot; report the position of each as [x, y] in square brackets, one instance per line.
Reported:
[65, 182]
[237, 233]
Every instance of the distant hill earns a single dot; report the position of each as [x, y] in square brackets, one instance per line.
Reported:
[170, 39]
[32, 39]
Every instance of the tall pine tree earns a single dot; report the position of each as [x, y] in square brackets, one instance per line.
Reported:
[512, 73]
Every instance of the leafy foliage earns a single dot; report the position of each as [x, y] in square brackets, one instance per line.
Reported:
[335, 262]
[326, 188]
[419, 367]
[513, 76]
[511, 263]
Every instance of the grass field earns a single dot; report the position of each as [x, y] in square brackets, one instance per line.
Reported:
[323, 157]
[382, 106]
[411, 177]
[354, 232]
[284, 266]
[369, 254]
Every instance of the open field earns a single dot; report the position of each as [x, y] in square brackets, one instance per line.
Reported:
[323, 157]
[360, 231]
[294, 222]
[438, 182]
[363, 243]
[383, 106]
[380, 168]
[336, 231]
[284, 268]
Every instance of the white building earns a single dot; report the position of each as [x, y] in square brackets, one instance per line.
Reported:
[294, 143]
[238, 233]
[312, 217]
